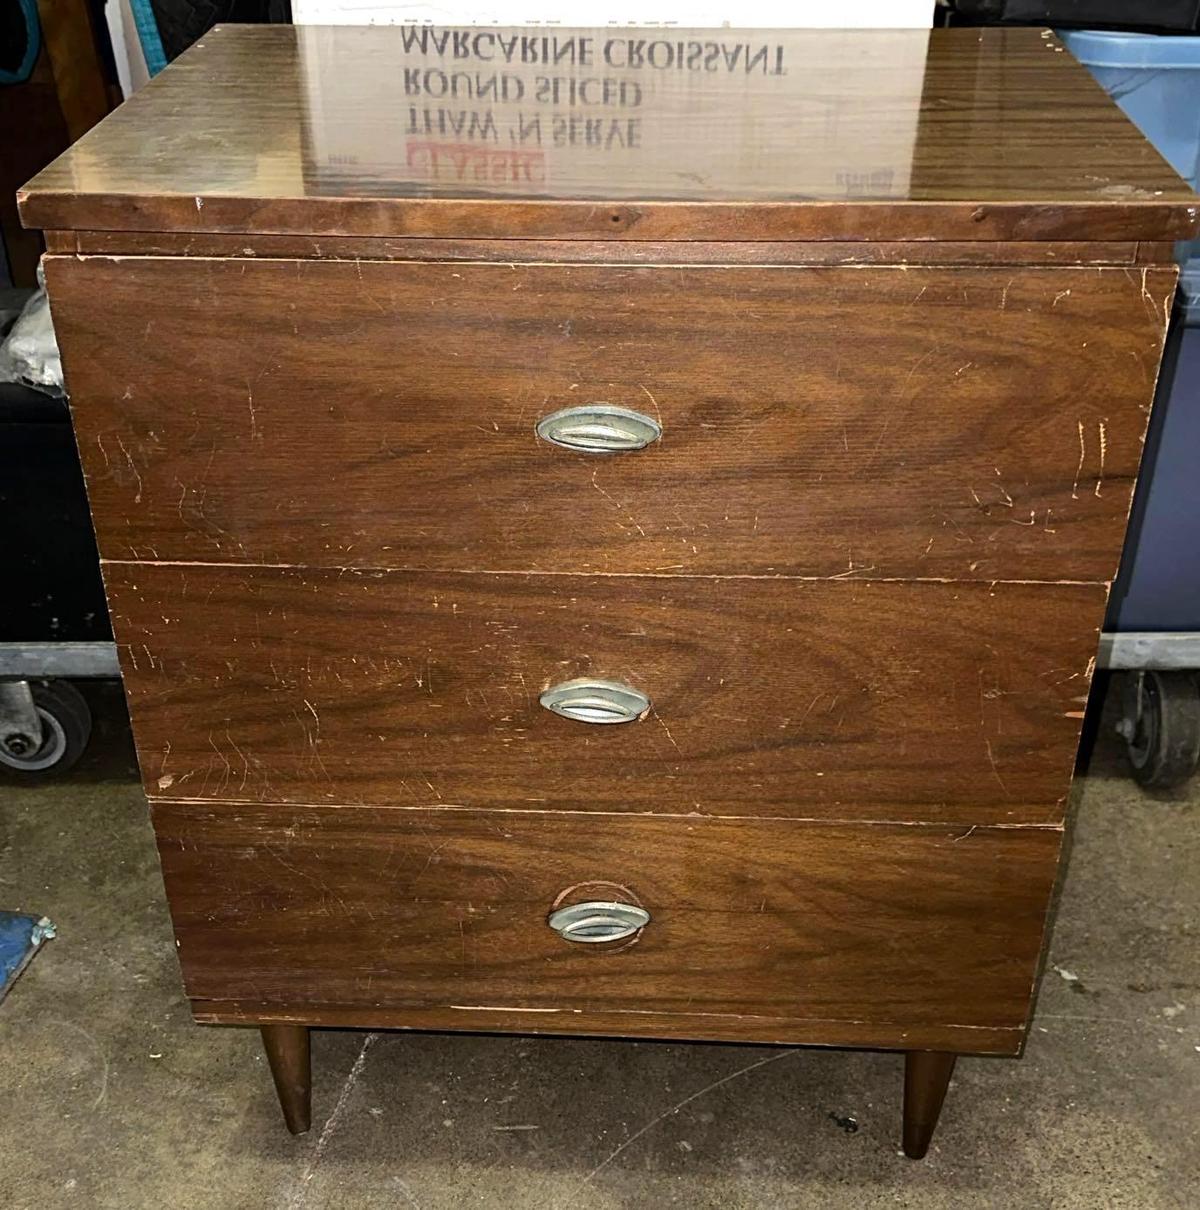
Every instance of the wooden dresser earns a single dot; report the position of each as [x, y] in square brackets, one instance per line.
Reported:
[607, 530]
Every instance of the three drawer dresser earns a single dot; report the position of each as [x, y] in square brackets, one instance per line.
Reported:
[607, 529]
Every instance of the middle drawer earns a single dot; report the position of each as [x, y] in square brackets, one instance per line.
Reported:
[768, 697]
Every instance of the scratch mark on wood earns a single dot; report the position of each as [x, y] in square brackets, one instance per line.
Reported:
[224, 760]
[895, 399]
[668, 572]
[429, 861]
[657, 409]
[667, 730]
[314, 736]
[1103, 451]
[242, 755]
[987, 743]
[1079, 468]
[617, 504]
[1007, 500]
[499, 1008]
[255, 435]
[133, 467]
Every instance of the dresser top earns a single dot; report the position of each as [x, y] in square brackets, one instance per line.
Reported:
[620, 133]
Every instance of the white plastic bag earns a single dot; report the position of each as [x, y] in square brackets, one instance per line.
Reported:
[29, 353]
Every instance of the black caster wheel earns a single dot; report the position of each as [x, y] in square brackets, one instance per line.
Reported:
[1160, 724]
[66, 728]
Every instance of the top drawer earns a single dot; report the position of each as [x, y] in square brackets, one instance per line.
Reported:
[957, 422]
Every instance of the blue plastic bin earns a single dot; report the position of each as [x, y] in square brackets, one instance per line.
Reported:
[1156, 81]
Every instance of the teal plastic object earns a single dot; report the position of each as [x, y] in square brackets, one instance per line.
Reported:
[148, 35]
[33, 44]
[1155, 79]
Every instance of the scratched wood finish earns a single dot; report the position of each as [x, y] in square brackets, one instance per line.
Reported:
[678, 252]
[958, 423]
[699, 1027]
[898, 301]
[855, 700]
[374, 908]
[423, 218]
[954, 134]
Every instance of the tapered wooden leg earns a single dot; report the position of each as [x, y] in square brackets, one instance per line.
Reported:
[291, 1069]
[926, 1075]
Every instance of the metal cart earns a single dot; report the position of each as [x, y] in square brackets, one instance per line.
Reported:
[1152, 633]
[54, 626]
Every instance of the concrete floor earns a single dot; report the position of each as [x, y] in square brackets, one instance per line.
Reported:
[111, 1097]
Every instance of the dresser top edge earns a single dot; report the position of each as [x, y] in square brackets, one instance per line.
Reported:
[900, 254]
[416, 131]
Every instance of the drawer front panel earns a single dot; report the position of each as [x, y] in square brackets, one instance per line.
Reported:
[364, 907]
[767, 696]
[938, 422]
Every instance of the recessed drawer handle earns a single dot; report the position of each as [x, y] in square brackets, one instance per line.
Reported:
[589, 701]
[599, 428]
[591, 922]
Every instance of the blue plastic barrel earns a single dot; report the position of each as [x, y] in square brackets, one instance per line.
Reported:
[1156, 80]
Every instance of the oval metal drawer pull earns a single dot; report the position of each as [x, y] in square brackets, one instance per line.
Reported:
[599, 428]
[591, 701]
[591, 922]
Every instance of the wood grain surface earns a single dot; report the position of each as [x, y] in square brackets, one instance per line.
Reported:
[621, 133]
[897, 301]
[619, 252]
[696, 1027]
[770, 697]
[959, 423]
[885, 926]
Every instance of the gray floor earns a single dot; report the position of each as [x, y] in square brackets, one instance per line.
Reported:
[110, 1097]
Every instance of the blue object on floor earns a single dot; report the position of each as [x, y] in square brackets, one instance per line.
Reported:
[20, 937]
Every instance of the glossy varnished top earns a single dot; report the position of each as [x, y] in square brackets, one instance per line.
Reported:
[636, 134]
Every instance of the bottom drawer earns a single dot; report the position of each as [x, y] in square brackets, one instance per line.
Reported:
[758, 930]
